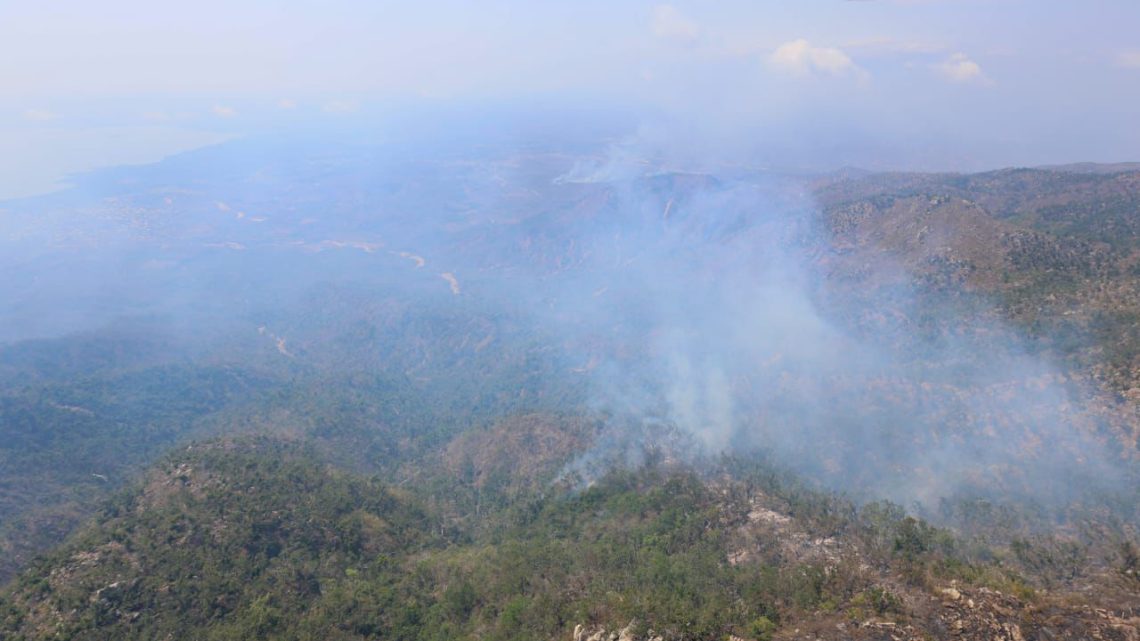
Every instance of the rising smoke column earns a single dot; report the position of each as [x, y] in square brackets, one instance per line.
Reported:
[710, 305]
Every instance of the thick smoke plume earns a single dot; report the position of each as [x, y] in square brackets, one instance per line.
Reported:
[720, 306]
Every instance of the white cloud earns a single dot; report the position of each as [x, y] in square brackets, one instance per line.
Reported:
[959, 68]
[223, 111]
[670, 24]
[286, 103]
[801, 58]
[1129, 59]
[39, 115]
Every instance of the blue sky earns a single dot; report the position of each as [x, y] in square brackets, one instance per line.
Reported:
[960, 84]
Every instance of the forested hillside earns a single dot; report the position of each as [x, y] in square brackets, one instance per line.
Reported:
[523, 404]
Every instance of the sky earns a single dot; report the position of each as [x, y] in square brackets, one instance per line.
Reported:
[902, 84]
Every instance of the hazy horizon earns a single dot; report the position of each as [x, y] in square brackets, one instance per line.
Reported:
[961, 85]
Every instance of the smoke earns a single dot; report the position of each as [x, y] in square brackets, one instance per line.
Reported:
[722, 308]
[707, 307]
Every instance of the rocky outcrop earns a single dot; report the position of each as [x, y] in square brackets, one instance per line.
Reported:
[600, 633]
[987, 614]
[982, 614]
[952, 613]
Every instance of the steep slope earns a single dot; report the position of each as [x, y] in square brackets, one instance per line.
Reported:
[255, 539]
[223, 541]
[1056, 249]
[1052, 253]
